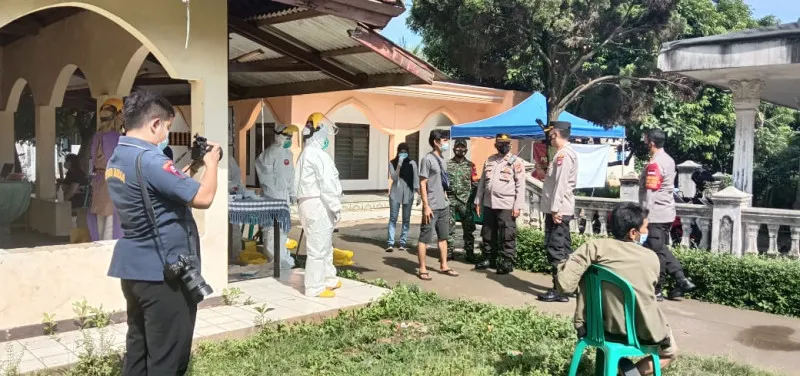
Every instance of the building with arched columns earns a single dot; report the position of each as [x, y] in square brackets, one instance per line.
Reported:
[202, 55]
[372, 122]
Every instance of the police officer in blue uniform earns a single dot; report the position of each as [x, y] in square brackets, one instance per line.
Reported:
[161, 311]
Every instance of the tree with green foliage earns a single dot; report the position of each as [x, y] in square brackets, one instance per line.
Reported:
[74, 124]
[565, 49]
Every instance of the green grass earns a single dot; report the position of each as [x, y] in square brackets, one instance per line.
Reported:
[416, 333]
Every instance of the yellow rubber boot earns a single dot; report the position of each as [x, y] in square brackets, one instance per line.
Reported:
[338, 285]
[327, 294]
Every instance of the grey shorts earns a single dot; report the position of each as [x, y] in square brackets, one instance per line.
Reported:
[437, 229]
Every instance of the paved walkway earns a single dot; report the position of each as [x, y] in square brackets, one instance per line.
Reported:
[283, 298]
[766, 341]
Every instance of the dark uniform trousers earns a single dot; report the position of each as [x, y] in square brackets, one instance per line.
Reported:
[557, 241]
[161, 318]
[499, 226]
[464, 212]
[657, 236]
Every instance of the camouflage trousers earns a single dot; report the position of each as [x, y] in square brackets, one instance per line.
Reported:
[464, 212]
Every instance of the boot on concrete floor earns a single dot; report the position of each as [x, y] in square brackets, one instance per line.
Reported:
[553, 296]
[505, 267]
[683, 286]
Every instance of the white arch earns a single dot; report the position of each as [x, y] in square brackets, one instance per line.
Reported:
[62, 82]
[15, 94]
[131, 70]
[151, 47]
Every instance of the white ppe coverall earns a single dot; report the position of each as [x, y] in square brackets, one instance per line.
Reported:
[275, 168]
[320, 207]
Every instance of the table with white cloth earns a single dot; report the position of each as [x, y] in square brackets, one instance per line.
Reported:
[263, 211]
[15, 197]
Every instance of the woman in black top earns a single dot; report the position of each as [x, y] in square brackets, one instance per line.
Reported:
[405, 182]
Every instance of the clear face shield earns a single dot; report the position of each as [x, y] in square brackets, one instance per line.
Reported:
[320, 132]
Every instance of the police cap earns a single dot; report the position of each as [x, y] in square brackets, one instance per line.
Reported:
[503, 138]
[561, 125]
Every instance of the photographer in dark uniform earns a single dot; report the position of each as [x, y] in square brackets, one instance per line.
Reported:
[158, 258]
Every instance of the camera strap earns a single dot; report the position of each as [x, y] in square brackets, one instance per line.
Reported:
[148, 208]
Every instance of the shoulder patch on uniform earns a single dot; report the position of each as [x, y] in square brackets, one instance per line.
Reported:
[169, 166]
[560, 160]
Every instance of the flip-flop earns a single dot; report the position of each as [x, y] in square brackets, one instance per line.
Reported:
[424, 276]
[449, 272]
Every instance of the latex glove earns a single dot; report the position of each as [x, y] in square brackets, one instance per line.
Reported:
[292, 200]
[337, 217]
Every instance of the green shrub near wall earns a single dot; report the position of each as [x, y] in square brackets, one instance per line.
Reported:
[758, 283]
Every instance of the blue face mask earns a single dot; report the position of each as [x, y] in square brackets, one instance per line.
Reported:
[163, 144]
[445, 146]
[287, 144]
[325, 144]
[642, 239]
[403, 155]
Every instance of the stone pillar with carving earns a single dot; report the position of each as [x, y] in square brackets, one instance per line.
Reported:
[727, 227]
[685, 182]
[629, 187]
[746, 98]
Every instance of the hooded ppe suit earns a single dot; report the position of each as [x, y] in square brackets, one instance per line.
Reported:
[102, 218]
[318, 194]
[275, 168]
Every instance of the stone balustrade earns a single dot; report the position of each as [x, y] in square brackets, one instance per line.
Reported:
[773, 219]
[730, 225]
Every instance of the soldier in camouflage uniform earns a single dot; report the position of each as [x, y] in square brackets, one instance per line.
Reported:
[463, 184]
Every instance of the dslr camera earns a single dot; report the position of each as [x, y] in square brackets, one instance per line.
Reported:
[200, 147]
[185, 270]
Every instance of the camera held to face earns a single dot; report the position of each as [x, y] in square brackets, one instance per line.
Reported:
[200, 147]
[185, 269]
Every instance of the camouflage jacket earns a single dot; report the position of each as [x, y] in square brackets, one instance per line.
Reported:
[463, 181]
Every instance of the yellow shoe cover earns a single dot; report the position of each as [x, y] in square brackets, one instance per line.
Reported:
[338, 286]
[326, 294]
[342, 257]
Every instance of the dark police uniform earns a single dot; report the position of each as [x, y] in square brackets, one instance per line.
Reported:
[501, 191]
[161, 314]
[558, 197]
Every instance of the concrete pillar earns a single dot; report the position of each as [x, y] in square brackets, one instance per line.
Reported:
[746, 98]
[6, 137]
[629, 187]
[727, 225]
[209, 119]
[685, 182]
[45, 152]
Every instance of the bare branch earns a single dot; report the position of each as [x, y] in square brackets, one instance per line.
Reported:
[580, 90]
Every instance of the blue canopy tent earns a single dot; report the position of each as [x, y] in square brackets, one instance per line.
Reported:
[520, 122]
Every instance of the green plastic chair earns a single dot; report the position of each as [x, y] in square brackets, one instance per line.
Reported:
[595, 330]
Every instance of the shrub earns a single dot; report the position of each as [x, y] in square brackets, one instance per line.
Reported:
[752, 282]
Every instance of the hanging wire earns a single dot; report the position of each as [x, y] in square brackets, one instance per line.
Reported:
[188, 22]
[263, 133]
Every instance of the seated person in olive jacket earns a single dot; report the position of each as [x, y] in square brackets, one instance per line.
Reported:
[625, 256]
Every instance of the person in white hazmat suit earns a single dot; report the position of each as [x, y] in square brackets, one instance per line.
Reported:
[319, 206]
[275, 168]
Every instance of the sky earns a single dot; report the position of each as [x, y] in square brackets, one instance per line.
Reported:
[785, 10]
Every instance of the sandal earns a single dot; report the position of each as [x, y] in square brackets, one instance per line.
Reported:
[424, 276]
[449, 272]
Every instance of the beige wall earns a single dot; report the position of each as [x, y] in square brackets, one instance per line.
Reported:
[109, 44]
[392, 118]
